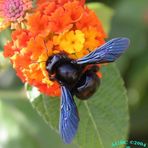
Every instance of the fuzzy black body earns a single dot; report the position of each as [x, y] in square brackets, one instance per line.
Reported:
[72, 75]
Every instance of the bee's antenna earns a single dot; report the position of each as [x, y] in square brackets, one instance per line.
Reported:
[46, 48]
[75, 55]
[88, 50]
[38, 62]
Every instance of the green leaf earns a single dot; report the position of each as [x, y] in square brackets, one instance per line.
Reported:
[15, 130]
[4, 37]
[4, 63]
[129, 22]
[20, 126]
[103, 118]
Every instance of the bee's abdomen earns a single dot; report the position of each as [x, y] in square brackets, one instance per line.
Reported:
[87, 85]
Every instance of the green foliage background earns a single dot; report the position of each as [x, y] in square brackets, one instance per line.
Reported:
[25, 128]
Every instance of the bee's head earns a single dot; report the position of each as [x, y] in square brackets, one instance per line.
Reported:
[54, 61]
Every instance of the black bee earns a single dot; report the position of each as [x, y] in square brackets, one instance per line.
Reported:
[74, 80]
[68, 73]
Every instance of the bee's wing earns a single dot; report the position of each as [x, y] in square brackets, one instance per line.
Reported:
[109, 52]
[69, 119]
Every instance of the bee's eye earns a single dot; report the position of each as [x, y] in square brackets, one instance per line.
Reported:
[87, 85]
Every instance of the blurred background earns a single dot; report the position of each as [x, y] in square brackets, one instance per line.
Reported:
[130, 20]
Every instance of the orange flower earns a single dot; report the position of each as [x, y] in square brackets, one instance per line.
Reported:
[74, 10]
[93, 38]
[20, 62]
[60, 2]
[9, 50]
[36, 46]
[60, 21]
[21, 37]
[54, 26]
[46, 8]
[88, 19]
[38, 24]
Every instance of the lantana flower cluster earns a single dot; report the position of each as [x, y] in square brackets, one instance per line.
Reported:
[51, 27]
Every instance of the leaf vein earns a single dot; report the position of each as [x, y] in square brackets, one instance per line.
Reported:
[93, 121]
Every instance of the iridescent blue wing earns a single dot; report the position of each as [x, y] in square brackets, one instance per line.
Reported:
[109, 52]
[69, 119]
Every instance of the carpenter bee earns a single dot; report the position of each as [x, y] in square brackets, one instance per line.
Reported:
[74, 80]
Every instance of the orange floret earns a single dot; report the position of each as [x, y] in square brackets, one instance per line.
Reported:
[38, 24]
[60, 20]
